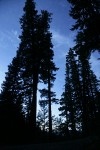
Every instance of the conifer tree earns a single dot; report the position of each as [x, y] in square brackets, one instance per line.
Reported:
[78, 102]
[48, 67]
[70, 100]
[29, 58]
[35, 46]
[87, 16]
[11, 114]
[33, 59]
[89, 85]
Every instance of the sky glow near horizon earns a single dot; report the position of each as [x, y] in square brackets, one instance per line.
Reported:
[62, 37]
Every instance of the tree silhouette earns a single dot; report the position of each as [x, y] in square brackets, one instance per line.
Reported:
[42, 117]
[79, 100]
[70, 101]
[87, 16]
[35, 46]
[48, 67]
[11, 104]
[29, 58]
[33, 64]
[49, 98]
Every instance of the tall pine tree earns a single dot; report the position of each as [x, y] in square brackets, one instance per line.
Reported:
[70, 101]
[48, 67]
[34, 60]
[34, 48]
[79, 100]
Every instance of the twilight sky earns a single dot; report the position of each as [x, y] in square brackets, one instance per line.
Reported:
[12, 10]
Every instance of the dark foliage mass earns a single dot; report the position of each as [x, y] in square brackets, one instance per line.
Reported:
[80, 100]
[34, 64]
[86, 13]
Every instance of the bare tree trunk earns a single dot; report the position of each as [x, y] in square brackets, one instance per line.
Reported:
[50, 112]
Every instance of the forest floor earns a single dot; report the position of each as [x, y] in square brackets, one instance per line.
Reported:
[89, 143]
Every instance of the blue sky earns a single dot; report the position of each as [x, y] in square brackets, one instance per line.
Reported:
[12, 10]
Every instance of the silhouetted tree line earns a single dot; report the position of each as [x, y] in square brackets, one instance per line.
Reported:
[33, 64]
[80, 104]
[82, 89]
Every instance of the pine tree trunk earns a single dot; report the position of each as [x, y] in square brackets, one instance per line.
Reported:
[84, 101]
[34, 102]
[50, 114]
[72, 119]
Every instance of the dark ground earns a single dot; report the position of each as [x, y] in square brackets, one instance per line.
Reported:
[89, 143]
